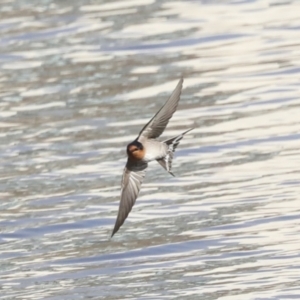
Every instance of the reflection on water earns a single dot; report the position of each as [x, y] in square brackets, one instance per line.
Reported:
[77, 82]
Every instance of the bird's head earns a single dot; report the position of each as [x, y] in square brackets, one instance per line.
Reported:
[135, 150]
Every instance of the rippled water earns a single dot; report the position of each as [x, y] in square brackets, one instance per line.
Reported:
[79, 79]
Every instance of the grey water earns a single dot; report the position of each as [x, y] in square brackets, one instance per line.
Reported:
[79, 79]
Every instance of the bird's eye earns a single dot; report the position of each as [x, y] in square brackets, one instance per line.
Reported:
[135, 149]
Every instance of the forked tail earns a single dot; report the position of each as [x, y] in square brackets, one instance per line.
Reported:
[172, 143]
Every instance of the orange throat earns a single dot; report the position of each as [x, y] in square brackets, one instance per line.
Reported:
[136, 155]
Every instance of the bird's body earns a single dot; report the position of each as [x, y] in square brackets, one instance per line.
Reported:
[153, 149]
[144, 149]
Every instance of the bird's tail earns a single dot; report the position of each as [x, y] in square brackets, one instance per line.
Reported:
[172, 143]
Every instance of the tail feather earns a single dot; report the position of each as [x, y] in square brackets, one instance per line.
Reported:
[172, 143]
[166, 164]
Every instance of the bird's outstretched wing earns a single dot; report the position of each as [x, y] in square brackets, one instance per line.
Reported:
[155, 127]
[133, 176]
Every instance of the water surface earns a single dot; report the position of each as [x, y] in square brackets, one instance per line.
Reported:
[77, 83]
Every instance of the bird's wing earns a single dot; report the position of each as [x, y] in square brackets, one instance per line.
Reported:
[155, 127]
[133, 176]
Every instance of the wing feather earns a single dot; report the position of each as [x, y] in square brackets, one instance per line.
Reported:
[155, 127]
[133, 176]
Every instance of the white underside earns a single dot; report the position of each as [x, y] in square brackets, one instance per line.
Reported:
[154, 150]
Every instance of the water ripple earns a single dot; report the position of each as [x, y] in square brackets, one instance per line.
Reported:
[78, 81]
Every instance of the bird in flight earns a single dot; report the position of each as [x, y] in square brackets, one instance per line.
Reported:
[146, 148]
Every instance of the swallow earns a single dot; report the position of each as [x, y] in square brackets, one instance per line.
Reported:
[144, 149]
